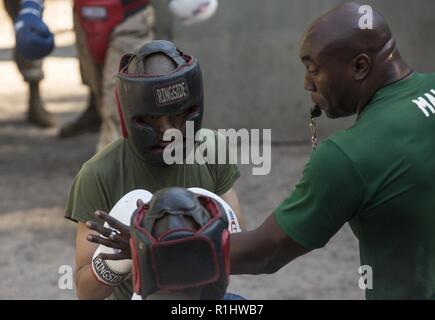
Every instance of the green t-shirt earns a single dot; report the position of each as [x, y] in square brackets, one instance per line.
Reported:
[117, 170]
[378, 175]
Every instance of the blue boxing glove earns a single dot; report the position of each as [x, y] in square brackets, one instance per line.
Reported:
[33, 39]
[232, 296]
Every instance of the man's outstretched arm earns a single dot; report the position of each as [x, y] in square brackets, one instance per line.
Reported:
[263, 250]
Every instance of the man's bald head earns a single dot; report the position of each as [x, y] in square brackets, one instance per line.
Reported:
[157, 63]
[338, 32]
[347, 63]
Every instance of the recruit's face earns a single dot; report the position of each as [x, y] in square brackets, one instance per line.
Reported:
[328, 79]
[160, 124]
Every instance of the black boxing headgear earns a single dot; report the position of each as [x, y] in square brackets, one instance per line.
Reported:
[192, 251]
[141, 94]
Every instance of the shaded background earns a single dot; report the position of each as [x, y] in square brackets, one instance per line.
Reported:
[254, 79]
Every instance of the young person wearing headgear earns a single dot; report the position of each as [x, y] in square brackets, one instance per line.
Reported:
[105, 30]
[136, 162]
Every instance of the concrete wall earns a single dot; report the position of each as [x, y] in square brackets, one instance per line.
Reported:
[249, 56]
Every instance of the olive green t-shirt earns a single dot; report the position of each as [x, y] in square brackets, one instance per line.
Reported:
[117, 170]
[378, 175]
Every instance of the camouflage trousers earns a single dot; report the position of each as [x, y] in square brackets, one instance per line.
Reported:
[125, 38]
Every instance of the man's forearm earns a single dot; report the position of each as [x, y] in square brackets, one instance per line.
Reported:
[88, 287]
[263, 250]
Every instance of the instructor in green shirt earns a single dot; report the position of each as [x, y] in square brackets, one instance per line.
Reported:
[378, 175]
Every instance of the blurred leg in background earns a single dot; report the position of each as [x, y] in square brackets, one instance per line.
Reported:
[132, 32]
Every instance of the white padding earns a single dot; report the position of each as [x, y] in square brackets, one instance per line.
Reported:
[233, 222]
[193, 11]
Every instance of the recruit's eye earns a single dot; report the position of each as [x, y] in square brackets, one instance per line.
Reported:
[139, 121]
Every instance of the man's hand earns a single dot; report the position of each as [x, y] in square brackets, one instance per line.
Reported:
[117, 236]
[96, 278]
[111, 262]
[33, 39]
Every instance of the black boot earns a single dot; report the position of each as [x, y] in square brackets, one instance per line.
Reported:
[88, 121]
[37, 114]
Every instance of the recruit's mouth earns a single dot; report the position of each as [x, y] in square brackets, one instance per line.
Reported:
[161, 145]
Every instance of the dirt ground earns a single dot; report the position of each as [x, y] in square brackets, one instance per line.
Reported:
[37, 169]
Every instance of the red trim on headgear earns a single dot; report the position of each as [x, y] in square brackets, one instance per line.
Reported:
[121, 115]
[226, 252]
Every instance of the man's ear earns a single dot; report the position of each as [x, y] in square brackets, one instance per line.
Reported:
[361, 66]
